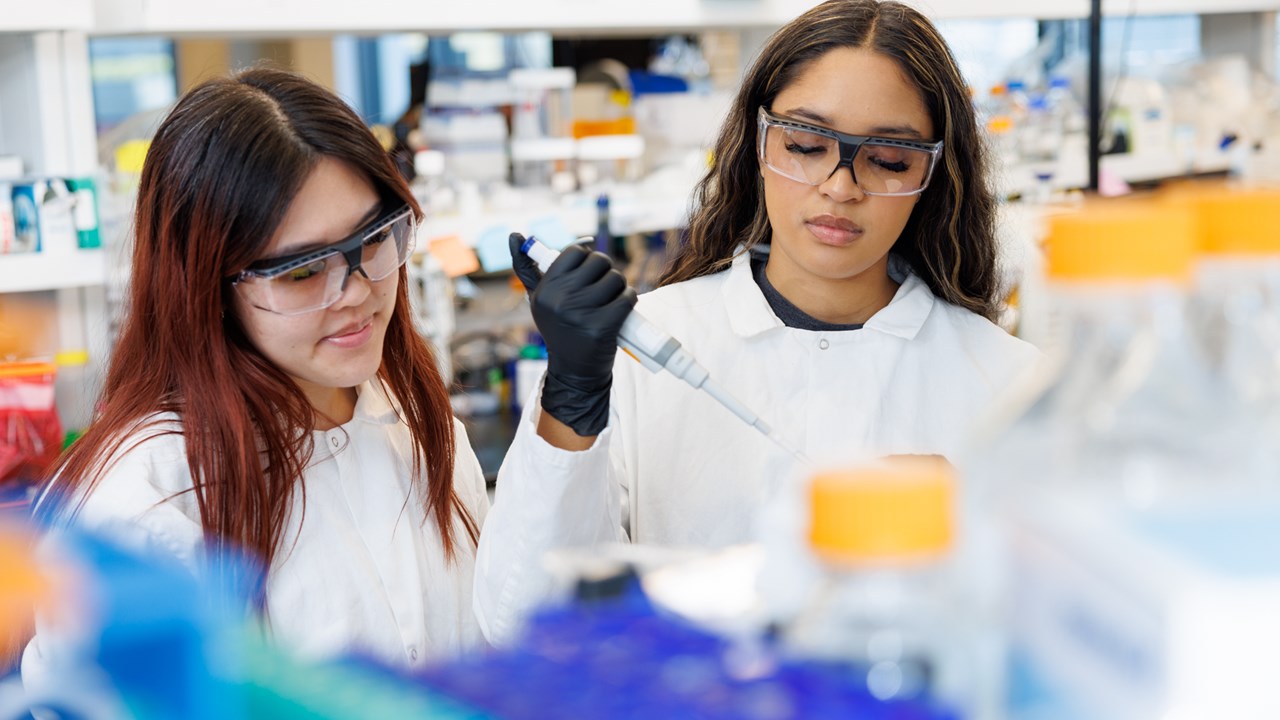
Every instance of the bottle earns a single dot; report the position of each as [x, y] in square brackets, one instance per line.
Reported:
[529, 367]
[1129, 486]
[7, 228]
[603, 238]
[998, 119]
[1070, 127]
[85, 214]
[1235, 310]
[429, 186]
[889, 615]
[1039, 138]
[1069, 115]
[75, 394]
[1018, 100]
[1126, 403]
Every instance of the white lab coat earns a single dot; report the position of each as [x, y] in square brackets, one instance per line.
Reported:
[675, 468]
[362, 573]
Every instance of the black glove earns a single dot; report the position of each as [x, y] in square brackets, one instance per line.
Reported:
[578, 306]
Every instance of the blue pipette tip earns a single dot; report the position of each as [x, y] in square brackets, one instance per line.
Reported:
[528, 243]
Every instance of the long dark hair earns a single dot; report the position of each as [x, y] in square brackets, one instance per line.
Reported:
[949, 240]
[221, 172]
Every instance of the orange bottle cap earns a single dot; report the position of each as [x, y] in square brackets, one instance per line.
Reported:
[898, 510]
[1237, 221]
[1121, 240]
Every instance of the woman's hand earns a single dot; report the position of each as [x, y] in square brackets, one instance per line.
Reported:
[578, 305]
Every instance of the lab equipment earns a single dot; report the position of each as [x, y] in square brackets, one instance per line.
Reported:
[541, 143]
[543, 102]
[608, 160]
[1158, 614]
[30, 431]
[614, 654]
[890, 614]
[474, 142]
[656, 350]
[1125, 378]
[147, 638]
[1236, 305]
[1139, 582]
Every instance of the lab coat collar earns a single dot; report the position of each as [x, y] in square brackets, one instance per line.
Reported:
[750, 314]
[374, 405]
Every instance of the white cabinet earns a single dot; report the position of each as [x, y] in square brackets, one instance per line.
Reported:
[565, 17]
[32, 272]
[1060, 9]
[46, 101]
[46, 118]
[562, 17]
[33, 16]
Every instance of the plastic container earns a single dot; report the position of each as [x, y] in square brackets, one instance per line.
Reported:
[1039, 140]
[613, 655]
[1140, 584]
[474, 143]
[1127, 402]
[1235, 310]
[888, 615]
[535, 161]
[30, 432]
[7, 229]
[85, 213]
[605, 160]
[74, 393]
[997, 118]
[544, 102]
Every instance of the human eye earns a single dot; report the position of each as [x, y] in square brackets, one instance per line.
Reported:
[802, 143]
[899, 166]
[303, 273]
[378, 236]
[892, 159]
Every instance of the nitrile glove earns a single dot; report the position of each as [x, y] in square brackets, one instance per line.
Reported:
[579, 306]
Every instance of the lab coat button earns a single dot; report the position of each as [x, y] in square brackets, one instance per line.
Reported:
[334, 441]
[823, 344]
[413, 654]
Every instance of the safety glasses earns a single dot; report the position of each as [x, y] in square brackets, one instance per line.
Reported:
[811, 154]
[314, 279]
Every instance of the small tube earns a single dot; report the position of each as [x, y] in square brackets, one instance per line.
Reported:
[732, 405]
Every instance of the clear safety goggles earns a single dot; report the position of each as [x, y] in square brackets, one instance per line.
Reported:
[811, 154]
[314, 279]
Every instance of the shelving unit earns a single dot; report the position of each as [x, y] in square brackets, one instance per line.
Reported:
[562, 17]
[46, 118]
[24, 17]
[33, 272]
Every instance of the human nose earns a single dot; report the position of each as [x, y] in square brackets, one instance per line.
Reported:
[356, 288]
[841, 185]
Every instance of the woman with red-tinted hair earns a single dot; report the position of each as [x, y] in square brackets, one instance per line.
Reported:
[269, 392]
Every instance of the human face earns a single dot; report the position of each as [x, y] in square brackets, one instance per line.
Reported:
[340, 346]
[835, 231]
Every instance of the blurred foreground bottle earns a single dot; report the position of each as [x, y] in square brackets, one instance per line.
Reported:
[1143, 577]
[889, 614]
[1126, 403]
[1235, 310]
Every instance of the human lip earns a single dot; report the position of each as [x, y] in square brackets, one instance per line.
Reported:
[833, 230]
[353, 335]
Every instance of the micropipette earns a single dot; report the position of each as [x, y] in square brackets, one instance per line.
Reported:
[656, 350]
